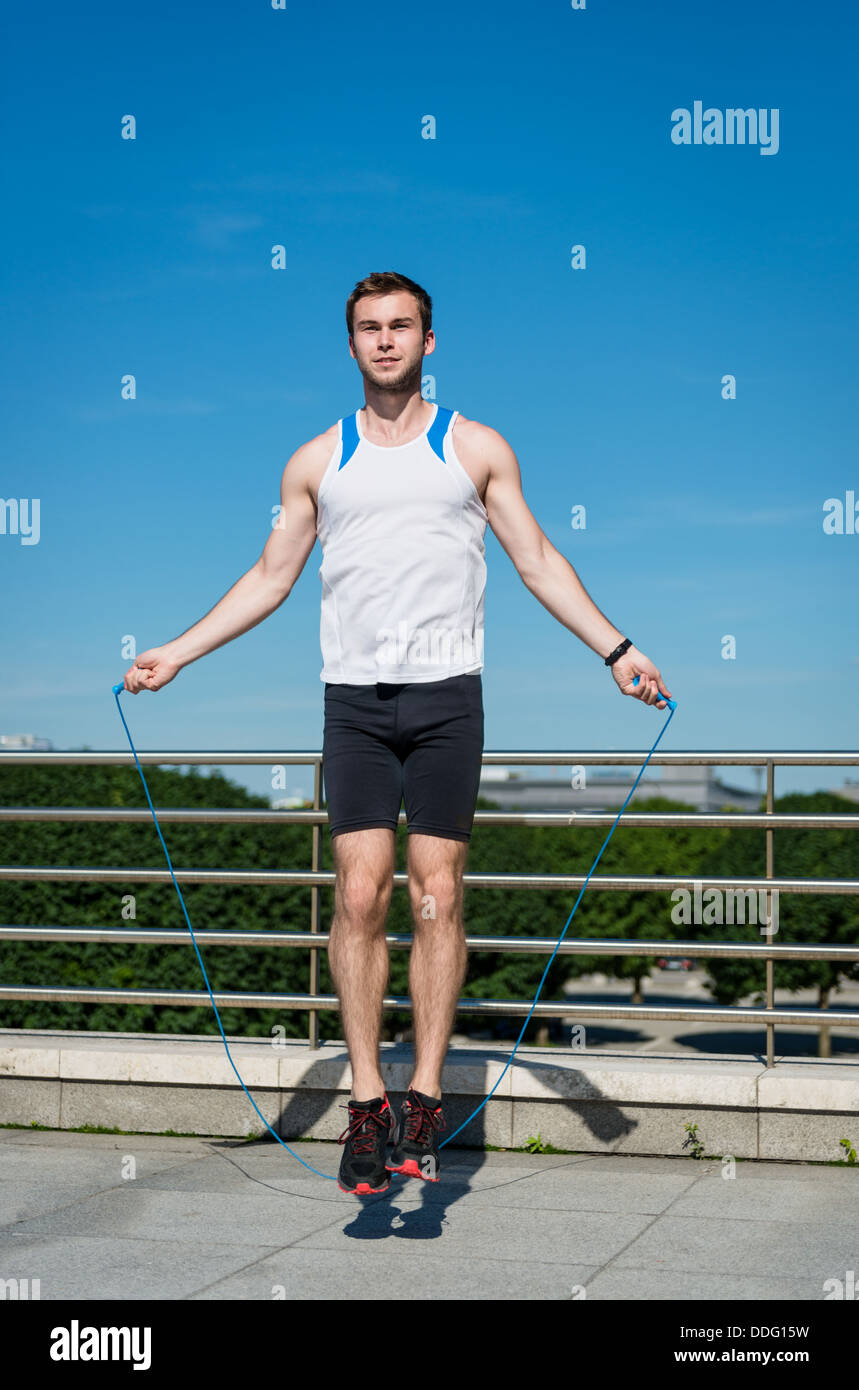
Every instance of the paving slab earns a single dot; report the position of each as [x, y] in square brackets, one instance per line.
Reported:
[789, 1247]
[220, 1219]
[110, 1267]
[300, 1274]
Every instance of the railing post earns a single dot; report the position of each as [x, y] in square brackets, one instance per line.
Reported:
[769, 933]
[313, 1014]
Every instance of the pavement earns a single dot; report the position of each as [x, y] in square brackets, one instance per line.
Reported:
[111, 1216]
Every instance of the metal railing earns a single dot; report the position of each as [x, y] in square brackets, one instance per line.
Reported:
[315, 940]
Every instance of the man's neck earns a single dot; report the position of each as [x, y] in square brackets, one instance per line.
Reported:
[392, 417]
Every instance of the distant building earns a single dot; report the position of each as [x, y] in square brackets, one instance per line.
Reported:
[606, 790]
[24, 743]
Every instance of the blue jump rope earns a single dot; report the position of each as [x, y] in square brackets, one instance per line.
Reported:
[117, 690]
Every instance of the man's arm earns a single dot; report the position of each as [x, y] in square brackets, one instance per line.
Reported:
[260, 590]
[549, 576]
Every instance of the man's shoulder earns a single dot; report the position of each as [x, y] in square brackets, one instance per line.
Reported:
[321, 445]
[306, 467]
[314, 454]
[479, 440]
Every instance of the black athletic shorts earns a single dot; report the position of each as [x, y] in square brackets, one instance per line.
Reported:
[421, 742]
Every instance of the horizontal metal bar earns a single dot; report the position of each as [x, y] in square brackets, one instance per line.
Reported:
[516, 945]
[738, 820]
[169, 936]
[168, 757]
[498, 1008]
[302, 878]
[608, 757]
[167, 815]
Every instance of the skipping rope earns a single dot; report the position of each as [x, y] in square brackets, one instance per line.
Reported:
[117, 690]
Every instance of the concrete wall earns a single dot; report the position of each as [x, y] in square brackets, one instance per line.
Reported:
[588, 1103]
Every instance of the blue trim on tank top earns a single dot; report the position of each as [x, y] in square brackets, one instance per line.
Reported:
[438, 429]
[349, 432]
[434, 436]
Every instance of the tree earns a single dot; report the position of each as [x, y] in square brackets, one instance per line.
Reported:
[818, 919]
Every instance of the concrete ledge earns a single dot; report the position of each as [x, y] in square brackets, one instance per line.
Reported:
[604, 1102]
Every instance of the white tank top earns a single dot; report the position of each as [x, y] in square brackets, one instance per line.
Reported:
[403, 570]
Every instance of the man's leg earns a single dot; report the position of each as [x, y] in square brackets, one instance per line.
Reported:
[364, 863]
[439, 957]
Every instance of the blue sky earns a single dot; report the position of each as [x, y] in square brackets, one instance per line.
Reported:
[302, 127]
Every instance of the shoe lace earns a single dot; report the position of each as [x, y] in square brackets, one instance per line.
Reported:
[419, 1120]
[361, 1129]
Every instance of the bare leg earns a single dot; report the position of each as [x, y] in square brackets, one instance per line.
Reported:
[439, 957]
[357, 952]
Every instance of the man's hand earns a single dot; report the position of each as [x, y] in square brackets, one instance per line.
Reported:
[152, 670]
[635, 663]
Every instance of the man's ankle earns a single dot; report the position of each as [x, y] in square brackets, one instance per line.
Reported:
[433, 1094]
[360, 1095]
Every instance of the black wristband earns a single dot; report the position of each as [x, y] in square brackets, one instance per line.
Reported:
[618, 651]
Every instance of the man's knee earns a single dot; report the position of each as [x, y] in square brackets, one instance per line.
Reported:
[362, 898]
[436, 897]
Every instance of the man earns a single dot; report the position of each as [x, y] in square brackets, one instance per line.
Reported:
[399, 494]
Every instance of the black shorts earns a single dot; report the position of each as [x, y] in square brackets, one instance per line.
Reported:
[421, 742]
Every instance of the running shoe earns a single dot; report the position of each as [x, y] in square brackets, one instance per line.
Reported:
[415, 1152]
[362, 1167]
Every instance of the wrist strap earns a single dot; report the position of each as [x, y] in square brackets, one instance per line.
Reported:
[618, 651]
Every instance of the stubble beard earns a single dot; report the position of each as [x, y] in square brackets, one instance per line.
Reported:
[406, 380]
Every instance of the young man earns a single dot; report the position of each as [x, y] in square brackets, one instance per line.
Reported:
[399, 494]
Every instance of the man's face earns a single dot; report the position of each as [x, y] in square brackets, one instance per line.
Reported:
[387, 340]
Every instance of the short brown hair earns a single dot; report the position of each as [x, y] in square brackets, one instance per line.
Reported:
[388, 282]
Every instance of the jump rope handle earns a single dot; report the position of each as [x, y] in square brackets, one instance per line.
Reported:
[672, 704]
[117, 689]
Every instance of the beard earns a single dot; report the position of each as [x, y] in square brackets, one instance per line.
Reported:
[406, 379]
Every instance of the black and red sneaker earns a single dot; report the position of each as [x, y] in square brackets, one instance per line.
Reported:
[415, 1152]
[362, 1167]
